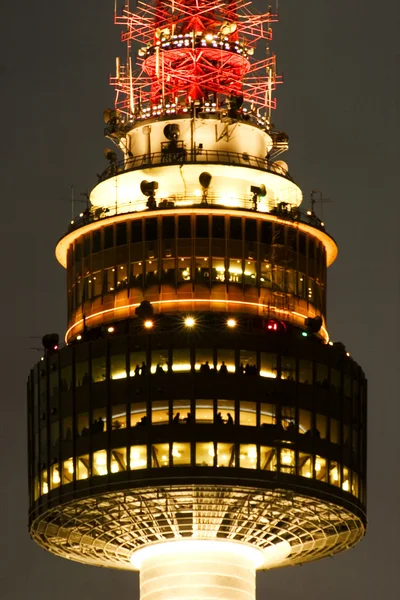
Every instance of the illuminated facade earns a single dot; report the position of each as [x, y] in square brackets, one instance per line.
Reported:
[197, 424]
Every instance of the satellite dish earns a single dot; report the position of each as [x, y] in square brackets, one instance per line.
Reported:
[148, 187]
[144, 310]
[263, 191]
[171, 131]
[205, 180]
[280, 166]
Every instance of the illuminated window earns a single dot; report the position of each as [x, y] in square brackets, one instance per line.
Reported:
[180, 454]
[304, 421]
[82, 467]
[168, 271]
[159, 455]
[118, 366]
[354, 485]
[268, 365]
[266, 275]
[159, 361]
[82, 424]
[346, 485]
[181, 360]
[288, 368]
[137, 364]
[267, 414]
[250, 272]
[136, 279]
[218, 270]
[159, 412]
[138, 457]
[334, 473]
[36, 488]
[55, 478]
[68, 471]
[304, 465]
[184, 269]
[248, 362]
[97, 283]
[122, 277]
[320, 468]
[99, 424]
[235, 270]
[204, 360]
[226, 411]
[151, 272]
[138, 414]
[118, 417]
[301, 285]
[310, 289]
[248, 456]
[44, 482]
[99, 369]
[288, 419]
[100, 462]
[225, 455]
[287, 460]
[204, 411]
[109, 280]
[226, 361]
[248, 414]
[202, 270]
[118, 460]
[205, 454]
[181, 412]
[305, 372]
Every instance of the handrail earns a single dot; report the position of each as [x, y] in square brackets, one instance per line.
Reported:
[178, 155]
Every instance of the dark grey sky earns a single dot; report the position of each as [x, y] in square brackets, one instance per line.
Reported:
[340, 106]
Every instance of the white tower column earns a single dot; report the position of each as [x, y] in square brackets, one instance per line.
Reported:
[197, 570]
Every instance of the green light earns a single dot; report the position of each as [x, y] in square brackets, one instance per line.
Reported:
[304, 333]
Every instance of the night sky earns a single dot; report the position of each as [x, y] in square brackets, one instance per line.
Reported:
[340, 105]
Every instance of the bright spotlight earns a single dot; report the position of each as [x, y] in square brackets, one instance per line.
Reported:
[231, 322]
[78, 337]
[190, 322]
[148, 324]
[111, 329]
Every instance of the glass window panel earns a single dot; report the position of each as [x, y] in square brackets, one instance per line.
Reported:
[45, 482]
[346, 485]
[288, 368]
[78, 251]
[287, 462]
[202, 270]
[138, 457]
[354, 485]
[334, 473]
[218, 227]
[205, 454]
[122, 277]
[121, 234]
[160, 412]
[225, 455]
[136, 231]
[322, 424]
[168, 270]
[218, 269]
[235, 228]
[204, 360]
[82, 467]
[305, 371]
[99, 424]
[267, 414]
[288, 419]
[118, 366]
[304, 421]
[82, 373]
[151, 272]
[181, 360]
[250, 272]
[138, 414]
[96, 241]
[137, 362]
[310, 289]
[248, 456]
[54, 433]
[82, 424]
[321, 376]
[159, 455]
[266, 232]
[136, 274]
[180, 454]
[109, 280]
[268, 363]
[97, 283]
[268, 458]
[99, 369]
[118, 460]
[184, 269]
[226, 410]
[100, 462]
[204, 411]
[320, 468]
[184, 227]
[118, 417]
[235, 270]
[251, 230]
[55, 478]
[347, 386]
[67, 429]
[248, 362]
[159, 361]
[108, 237]
[181, 412]
[68, 471]
[334, 427]
[248, 415]
[66, 378]
[226, 361]
[304, 465]
[202, 227]
[151, 229]
[266, 275]
[301, 285]
[168, 228]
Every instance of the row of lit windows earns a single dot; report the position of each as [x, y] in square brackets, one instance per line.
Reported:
[200, 454]
[201, 226]
[199, 270]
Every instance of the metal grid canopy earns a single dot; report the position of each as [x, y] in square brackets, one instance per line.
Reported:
[106, 529]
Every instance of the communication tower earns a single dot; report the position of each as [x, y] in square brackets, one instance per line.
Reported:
[198, 424]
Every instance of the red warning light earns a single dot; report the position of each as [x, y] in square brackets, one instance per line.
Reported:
[274, 325]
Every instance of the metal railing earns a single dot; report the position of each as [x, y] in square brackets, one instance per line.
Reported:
[179, 155]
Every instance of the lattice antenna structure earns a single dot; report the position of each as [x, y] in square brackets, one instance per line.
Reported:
[196, 52]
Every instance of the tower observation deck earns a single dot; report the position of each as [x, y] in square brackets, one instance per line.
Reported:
[197, 424]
